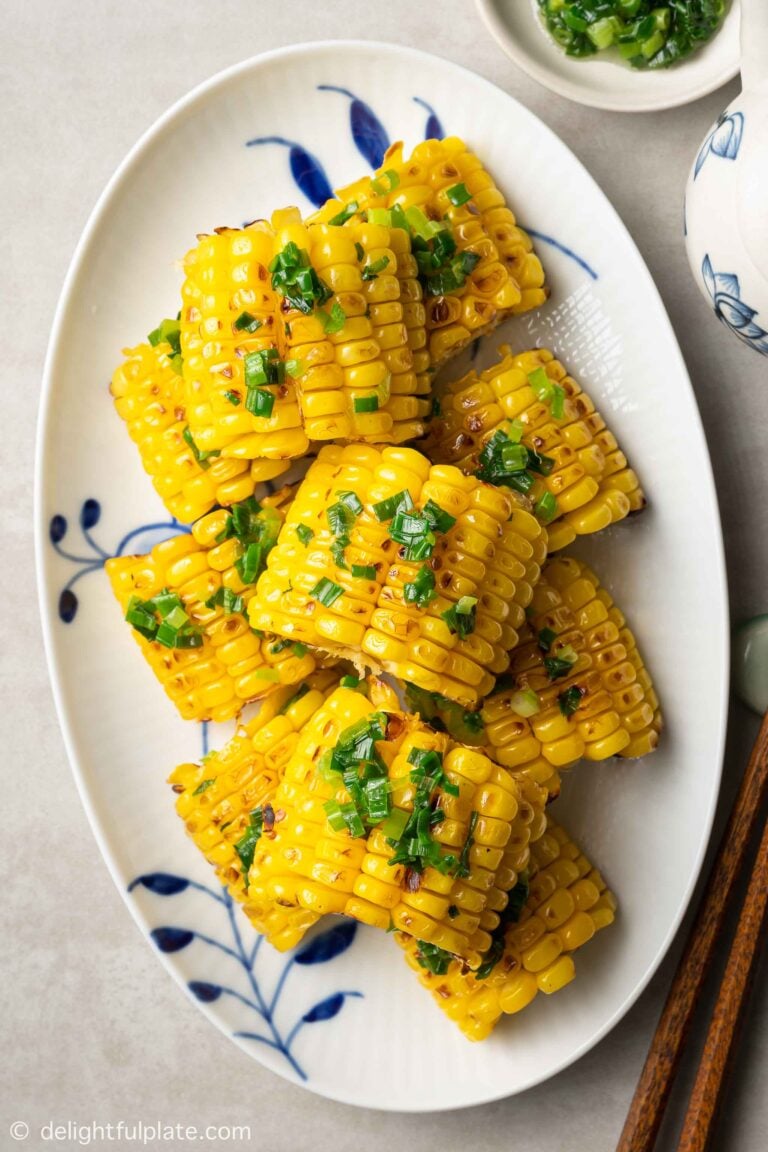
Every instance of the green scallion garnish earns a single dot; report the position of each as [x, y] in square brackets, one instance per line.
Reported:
[163, 618]
[375, 268]
[364, 571]
[420, 590]
[227, 599]
[304, 533]
[560, 663]
[461, 617]
[545, 508]
[326, 592]
[570, 700]
[203, 786]
[167, 332]
[346, 213]
[259, 402]
[248, 323]
[386, 509]
[334, 320]
[458, 195]
[246, 845]
[294, 278]
[201, 457]
[385, 182]
[366, 403]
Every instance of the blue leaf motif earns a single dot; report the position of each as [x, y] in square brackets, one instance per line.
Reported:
[703, 153]
[328, 944]
[205, 992]
[67, 606]
[325, 1010]
[90, 514]
[161, 883]
[172, 939]
[433, 129]
[735, 313]
[726, 138]
[57, 529]
[709, 276]
[728, 283]
[368, 133]
[306, 169]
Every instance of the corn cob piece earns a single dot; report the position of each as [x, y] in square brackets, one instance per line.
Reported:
[229, 312]
[568, 902]
[590, 480]
[576, 689]
[440, 606]
[210, 662]
[333, 847]
[443, 182]
[149, 396]
[223, 799]
[346, 333]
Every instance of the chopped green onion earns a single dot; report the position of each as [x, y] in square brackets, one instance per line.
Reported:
[259, 402]
[201, 457]
[570, 700]
[332, 321]
[371, 271]
[545, 508]
[263, 367]
[434, 958]
[233, 397]
[380, 216]
[346, 213]
[227, 599]
[293, 700]
[386, 509]
[395, 823]
[304, 533]
[546, 638]
[293, 368]
[203, 786]
[561, 663]
[299, 650]
[462, 868]
[525, 703]
[350, 682]
[164, 620]
[270, 674]
[246, 845]
[351, 500]
[385, 182]
[516, 901]
[364, 571]
[167, 332]
[366, 403]
[360, 252]
[461, 617]
[326, 592]
[437, 518]
[412, 530]
[248, 323]
[421, 590]
[458, 195]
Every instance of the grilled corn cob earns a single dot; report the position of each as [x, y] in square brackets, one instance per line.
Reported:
[567, 903]
[149, 396]
[529, 397]
[230, 350]
[435, 595]
[487, 269]
[207, 658]
[223, 799]
[345, 330]
[355, 830]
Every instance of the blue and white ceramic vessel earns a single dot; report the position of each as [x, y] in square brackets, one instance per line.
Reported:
[726, 220]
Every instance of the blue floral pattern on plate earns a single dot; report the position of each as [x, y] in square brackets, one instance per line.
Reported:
[724, 140]
[735, 313]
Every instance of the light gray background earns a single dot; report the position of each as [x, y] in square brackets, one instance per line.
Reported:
[94, 1029]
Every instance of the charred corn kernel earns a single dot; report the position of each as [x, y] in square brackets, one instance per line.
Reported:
[590, 490]
[355, 374]
[216, 798]
[533, 955]
[499, 274]
[231, 664]
[149, 396]
[348, 587]
[227, 276]
[309, 862]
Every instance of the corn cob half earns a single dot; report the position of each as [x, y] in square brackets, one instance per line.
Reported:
[187, 601]
[405, 567]
[240, 401]
[481, 268]
[355, 829]
[564, 901]
[148, 391]
[528, 400]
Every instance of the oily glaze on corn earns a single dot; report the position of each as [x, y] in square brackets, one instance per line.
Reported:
[368, 360]
[149, 396]
[233, 665]
[591, 480]
[568, 903]
[305, 863]
[227, 274]
[508, 277]
[215, 798]
[492, 553]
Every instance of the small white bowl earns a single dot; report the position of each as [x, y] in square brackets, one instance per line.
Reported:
[603, 82]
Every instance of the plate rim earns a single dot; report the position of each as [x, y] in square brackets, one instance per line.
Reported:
[99, 826]
[548, 77]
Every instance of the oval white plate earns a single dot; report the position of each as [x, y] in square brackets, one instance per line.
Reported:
[603, 82]
[646, 824]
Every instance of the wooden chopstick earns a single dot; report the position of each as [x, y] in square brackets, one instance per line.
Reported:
[652, 1093]
[731, 1001]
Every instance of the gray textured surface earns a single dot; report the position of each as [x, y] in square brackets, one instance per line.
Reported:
[94, 1029]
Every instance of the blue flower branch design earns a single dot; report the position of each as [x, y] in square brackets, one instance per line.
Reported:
[724, 140]
[725, 292]
[90, 514]
[264, 1006]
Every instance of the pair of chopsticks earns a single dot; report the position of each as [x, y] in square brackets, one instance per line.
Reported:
[652, 1093]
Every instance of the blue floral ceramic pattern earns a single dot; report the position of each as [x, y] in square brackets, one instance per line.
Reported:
[735, 313]
[724, 140]
[262, 1006]
[142, 539]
